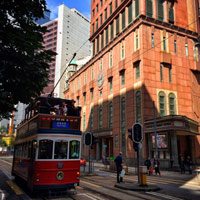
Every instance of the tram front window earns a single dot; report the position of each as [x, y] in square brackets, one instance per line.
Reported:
[60, 149]
[45, 149]
[74, 149]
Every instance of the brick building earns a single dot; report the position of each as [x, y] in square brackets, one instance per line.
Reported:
[144, 51]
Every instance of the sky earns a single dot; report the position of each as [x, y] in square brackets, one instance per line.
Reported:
[83, 6]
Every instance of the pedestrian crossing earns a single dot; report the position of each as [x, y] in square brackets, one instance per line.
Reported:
[158, 180]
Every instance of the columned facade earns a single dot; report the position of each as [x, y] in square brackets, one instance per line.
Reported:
[143, 52]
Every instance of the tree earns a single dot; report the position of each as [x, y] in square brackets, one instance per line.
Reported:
[24, 63]
[3, 130]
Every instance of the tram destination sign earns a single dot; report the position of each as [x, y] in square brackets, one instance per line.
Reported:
[60, 124]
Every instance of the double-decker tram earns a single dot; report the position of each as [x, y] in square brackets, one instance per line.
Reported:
[47, 146]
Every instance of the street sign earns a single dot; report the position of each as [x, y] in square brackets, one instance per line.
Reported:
[137, 134]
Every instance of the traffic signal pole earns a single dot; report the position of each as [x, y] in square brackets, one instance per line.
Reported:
[138, 163]
[89, 160]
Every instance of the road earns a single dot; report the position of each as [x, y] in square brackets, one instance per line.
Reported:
[102, 187]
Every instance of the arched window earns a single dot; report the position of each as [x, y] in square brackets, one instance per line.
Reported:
[172, 104]
[162, 104]
[100, 116]
[110, 115]
[138, 106]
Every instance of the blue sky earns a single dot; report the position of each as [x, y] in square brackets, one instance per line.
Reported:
[83, 6]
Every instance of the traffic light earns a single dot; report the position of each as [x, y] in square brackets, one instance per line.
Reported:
[137, 135]
[88, 138]
[94, 139]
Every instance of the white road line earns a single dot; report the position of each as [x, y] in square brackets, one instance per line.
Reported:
[6, 162]
[164, 196]
[96, 197]
[88, 195]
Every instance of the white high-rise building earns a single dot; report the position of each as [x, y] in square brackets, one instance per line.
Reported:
[73, 31]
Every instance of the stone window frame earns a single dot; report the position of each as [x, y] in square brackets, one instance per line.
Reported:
[162, 94]
[172, 95]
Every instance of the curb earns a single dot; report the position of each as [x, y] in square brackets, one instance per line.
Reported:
[136, 187]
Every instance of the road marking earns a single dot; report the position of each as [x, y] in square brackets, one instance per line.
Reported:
[164, 196]
[82, 194]
[14, 187]
[6, 162]
[90, 184]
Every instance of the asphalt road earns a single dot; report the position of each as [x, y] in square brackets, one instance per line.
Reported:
[102, 187]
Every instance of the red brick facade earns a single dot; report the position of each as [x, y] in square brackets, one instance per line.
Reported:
[147, 60]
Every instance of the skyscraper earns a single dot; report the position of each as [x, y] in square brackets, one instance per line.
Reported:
[66, 35]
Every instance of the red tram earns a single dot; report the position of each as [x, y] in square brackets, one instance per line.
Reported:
[47, 146]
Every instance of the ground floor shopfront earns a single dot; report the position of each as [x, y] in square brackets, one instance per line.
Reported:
[176, 136]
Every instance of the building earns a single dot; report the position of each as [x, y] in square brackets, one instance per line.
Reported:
[145, 53]
[65, 36]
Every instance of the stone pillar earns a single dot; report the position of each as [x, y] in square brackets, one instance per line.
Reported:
[155, 9]
[142, 7]
[174, 149]
[165, 12]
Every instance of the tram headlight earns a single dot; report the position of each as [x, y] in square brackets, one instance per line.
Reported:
[60, 176]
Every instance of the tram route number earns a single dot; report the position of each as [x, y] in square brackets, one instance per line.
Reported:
[57, 124]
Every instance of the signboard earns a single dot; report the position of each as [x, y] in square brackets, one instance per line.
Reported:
[57, 124]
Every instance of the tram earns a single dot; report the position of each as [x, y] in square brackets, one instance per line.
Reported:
[47, 146]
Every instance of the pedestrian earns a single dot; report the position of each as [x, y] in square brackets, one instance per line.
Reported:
[188, 162]
[182, 165]
[147, 163]
[156, 164]
[118, 162]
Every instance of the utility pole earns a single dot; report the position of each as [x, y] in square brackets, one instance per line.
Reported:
[155, 131]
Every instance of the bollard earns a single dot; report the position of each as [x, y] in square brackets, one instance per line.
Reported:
[143, 175]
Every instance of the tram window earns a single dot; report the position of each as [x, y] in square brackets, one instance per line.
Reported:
[45, 149]
[60, 149]
[26, 150]
[74, 149]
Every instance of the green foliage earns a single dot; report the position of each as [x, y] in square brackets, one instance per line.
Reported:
[2, 143]
[3, 130]
[24, 62]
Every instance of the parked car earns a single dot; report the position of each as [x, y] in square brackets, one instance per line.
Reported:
[83, 162]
